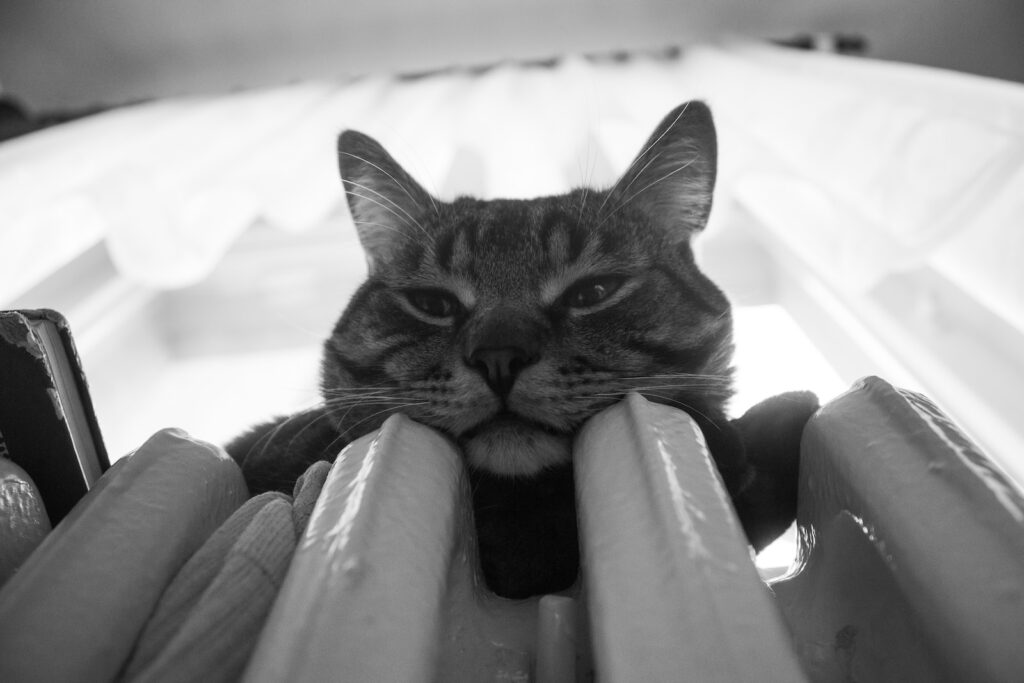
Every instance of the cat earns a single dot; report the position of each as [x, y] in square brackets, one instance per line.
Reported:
[506, 324]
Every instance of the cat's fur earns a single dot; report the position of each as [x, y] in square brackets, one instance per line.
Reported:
[506, 324]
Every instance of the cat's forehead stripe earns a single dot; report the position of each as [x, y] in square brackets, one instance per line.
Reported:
[522, 248]
[443, 251]
[590, 262]
[464, 260]
[561, 236]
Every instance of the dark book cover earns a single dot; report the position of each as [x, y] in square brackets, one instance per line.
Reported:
[47, 422]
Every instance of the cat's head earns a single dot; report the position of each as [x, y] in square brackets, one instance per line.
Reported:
[507, 323]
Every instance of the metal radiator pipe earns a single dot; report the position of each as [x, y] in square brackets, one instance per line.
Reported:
[385, 586]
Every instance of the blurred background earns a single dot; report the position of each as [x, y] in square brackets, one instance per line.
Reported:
[168, 179]
[62, 54]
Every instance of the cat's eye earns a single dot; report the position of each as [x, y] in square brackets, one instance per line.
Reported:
[592, 291]
[436, 303]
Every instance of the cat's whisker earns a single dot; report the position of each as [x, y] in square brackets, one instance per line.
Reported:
[678, 382]
[382, 206]
[583, 205]
[652, 384]
[369, 389]
[366, 396]
[365, 391]
[313, 422]
[392, 409]
[266, 439]
[387, 199]
[349, 406]
[587, 171]
[615, 394]
[674, 387]
[391, 405]
[383, 226]
[408, 220]
[686, 407]
[679, 376]
[430, 196]
[365, 388]
[639, 173]
[639, 192]
[393, 179]
[380, 194]
[654, 143]
[370, 401]
[264, 442]
[658, 375]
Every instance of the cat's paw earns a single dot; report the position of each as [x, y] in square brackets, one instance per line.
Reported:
[771, 432]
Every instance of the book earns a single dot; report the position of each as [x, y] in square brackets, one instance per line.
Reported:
[47, 422]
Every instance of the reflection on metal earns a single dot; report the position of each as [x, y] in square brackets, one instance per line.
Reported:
[384, 586]
[673, 594]
[912, 548]
[911, 563]
[363, 596]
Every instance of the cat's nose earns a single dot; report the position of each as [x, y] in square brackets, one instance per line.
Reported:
[500, 366]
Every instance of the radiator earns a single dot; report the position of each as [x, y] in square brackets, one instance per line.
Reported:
[911, 563]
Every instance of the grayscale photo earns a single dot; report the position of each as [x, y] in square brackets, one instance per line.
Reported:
[543, 342]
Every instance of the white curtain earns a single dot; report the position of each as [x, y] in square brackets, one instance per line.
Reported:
[875, 168]
[871, 167]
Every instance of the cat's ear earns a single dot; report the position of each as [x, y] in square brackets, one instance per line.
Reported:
[673, 178]
[387, 205]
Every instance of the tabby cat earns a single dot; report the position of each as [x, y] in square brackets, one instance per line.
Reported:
[506, 324]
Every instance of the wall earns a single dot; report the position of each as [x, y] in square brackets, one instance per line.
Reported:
[55, 53]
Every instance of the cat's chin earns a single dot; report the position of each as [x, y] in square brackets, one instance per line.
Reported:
[515, 448]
